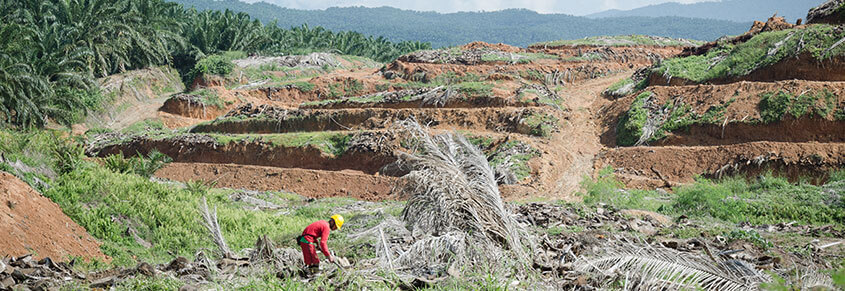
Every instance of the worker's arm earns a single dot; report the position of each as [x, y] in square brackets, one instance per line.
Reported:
[324, 246]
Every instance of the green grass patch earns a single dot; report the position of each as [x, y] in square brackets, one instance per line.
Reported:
[349, 87]
[107, 203]
[630, 126]
[541, 124]
[763, 50]
[766, 200]
[209, 97]
[356, 100]
[217, 64]
[774, 106]
[475, 89]
[335, 143]
[518, 154]
[607, 189]
[146, 125]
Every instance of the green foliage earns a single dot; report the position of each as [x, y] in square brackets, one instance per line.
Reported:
[475, 89]
[107, 203]
[762, 50]
[618, 85]
[209, 97]
[51, 53]
[767, 200]
[519, 160]
[139, 165]
[630, 126]
[607, 189]
[541, 124]
[444, 30]
[214, 65]
[146, 125]
[349, 87]
[522, 58]
[330, 142]
[774, 106]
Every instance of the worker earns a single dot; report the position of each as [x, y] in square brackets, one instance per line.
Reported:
[315, 234]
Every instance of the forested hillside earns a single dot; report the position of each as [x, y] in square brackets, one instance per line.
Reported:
[514, 26]
[732, 10]
[53, 51]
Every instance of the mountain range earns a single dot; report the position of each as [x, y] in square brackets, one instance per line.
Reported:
[520, 27]
[732, 10]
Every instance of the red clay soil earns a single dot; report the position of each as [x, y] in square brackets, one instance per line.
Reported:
[648, 167]
[191, 109]
[253, 153]
[802, 67]
[479, 119]
[310, 183]
[790, 130]
[32, 224]
[476, 102]
[572, 68]
[484, 45]
[735, 127]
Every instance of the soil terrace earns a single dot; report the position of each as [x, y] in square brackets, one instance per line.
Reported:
[554, 105]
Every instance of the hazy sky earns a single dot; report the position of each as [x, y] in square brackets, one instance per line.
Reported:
[576, 7]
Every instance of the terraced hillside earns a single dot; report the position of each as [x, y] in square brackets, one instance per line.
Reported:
[770, 100]
[322, 125]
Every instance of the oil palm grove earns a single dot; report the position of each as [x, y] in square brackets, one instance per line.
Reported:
[53, 51]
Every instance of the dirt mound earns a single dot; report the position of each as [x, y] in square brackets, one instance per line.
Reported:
[31, 223]
[192, 106]
[829, 12]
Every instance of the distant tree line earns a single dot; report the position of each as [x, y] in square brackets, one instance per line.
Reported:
[518, 27]
[52, 51]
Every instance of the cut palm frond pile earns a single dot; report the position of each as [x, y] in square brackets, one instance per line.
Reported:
[454, 211]
[646, 267]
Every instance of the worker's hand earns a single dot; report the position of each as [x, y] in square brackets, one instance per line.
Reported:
[331, 260]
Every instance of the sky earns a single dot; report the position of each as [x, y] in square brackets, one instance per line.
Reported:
[574, 7]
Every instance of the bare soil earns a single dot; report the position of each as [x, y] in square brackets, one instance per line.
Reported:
[253, 153]
[306, 182]
[740, 117]
[667, 166]
[32, 224]
[507, 119]
[802, 67]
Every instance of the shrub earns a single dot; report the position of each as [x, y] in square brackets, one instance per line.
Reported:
[214, 65]
[139, 165]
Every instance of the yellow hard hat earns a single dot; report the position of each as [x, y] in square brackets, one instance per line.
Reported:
[338, 220]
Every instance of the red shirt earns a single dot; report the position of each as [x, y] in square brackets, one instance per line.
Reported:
[319, 229]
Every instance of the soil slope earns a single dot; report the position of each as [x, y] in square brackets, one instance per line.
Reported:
[32, 224]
